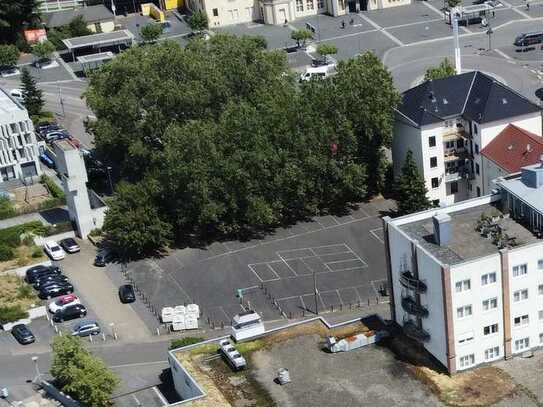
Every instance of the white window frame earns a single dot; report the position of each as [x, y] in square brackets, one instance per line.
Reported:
[521, 321]
[491, 329]
[492, 353]
[464, 311]
[467, 361]
[522, 344]
[460, 286]
[520, 295]
[491, 304]
[520, 270]
[485, 278]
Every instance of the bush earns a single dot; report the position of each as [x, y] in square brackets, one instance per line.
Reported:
[37, 252]
[6, 253]
[11, 313]
[51, 203]
[96, 232]
[189, 340]
[11, 236]
[58, 228]
[6, 208]
[51, 185]
[25, 291]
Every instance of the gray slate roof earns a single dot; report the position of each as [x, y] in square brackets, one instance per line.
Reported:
[91, 14]
[472, 95]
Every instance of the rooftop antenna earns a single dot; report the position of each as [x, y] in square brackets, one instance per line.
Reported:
[455, 13]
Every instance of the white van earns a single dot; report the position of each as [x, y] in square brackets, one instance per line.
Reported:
[17, 94]
[318, 72]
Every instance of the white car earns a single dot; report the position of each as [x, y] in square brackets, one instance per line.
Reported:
[54, 251]
[17, 94]
[62, 302]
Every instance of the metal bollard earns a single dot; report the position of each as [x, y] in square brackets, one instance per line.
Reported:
[213, 325]
[56, 329]
[47, 316]
[222, 324]
[290, 315]
[208, 321]
[377, 300]
[103, 336]
[60, 333]
[158, 331]
[331, 308]
[358, 303]
[90, 338]
[368, 302]
[51, 322]
[303, 313]
[341, 307]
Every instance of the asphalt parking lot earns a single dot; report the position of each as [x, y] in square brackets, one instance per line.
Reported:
[275, 274]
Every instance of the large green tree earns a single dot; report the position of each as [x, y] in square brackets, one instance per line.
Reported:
[151, 32]
[326, 49]
[43, 50]
[198, 21]
[32, 95]
[410, 188]
[9, 54]
[80, 374]
[16, 15]
[229, 141]
[365, 93]
[443, 70]
[301, 37]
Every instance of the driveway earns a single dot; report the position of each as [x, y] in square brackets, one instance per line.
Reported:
[97, 290]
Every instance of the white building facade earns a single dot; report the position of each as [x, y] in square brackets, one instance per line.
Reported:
[447, 122]
[471, 291]
[19, 153]
[278, 12]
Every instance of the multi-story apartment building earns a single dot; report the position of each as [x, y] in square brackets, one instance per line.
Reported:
[467, 280]
[447, 122]
[277, 12]
[18, 145]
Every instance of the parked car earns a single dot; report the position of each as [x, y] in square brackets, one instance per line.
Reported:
[70, 312]
[45, 284]
[44, 158]
[17, 94]
[127, 294]
[48, 128]
[53, 250]
[70, 245]
[55, 290]
[55, 135]
[23, 334]
[34, 273]
[7, 72]
[48, 278]
[63, 302]
[101, 259]
[86, 328]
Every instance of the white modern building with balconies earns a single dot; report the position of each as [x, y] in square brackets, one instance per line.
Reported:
[18, 146]
[446, 123]
[467, 280]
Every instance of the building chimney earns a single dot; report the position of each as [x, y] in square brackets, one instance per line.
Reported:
[442, 229]
[528, 148]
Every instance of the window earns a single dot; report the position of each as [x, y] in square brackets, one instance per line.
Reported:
[464, 311]
[309, 4]
[540, 315]
[478, 191]
[299, 5]
[520, 295]
[476, 148]
[520, 270]
[215, 12]
[454, 187]
[474, 128]
[521, 321]
[489, 278]
[492, 353]
[320, 4]
[432, 141]
[467, 361]
[490, 329]
[98, 27]
[435, 182]
[540, 338]
[433, 162]
[435, 203]
[477, 169]
[540, 289]
[464, 338]
[521, 344]
[463, 285]
[540, 264]
[489, 304]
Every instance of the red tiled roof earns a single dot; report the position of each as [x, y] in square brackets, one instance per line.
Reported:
[514, 148]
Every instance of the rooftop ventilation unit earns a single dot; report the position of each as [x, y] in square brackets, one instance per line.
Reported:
[442, 229]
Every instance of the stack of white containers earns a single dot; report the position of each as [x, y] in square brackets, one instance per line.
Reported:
[182, 317]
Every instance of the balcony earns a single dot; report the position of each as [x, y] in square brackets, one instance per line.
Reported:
[410, 306]
[454, 154]
[411, 329]
[409, 281]
[454, 134]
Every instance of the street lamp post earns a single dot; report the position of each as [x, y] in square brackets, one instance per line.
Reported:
[316, 293]
[489, 32]
[38, 374]
[108, 169]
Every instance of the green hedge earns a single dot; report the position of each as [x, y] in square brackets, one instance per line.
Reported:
[55, 190]
[6, 253]
[7, 210]
[189, 340]
[11, 313]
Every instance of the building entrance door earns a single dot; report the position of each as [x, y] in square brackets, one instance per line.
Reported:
[282, 16]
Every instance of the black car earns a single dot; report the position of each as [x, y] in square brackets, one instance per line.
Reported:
[34, 273]
[55, 290]
[70, 312]
[126, 294]
[70, 245]
[49, 278]
[100, 260]
[23, 335]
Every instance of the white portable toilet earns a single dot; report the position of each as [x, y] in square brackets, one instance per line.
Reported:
[180, 310]
[191, 322]
[166, 314]
[178, 322]
[193, 309]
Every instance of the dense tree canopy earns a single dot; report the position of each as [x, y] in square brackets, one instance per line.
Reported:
[9, 54]
[443, 70]
[16, 15]
[32, 95]
[77, 27]
[151, 32]
[228, 142]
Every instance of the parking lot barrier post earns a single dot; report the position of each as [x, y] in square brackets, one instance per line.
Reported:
[303, 313]
[56, 329]
[377, 300]
[208, 321]
[90, 338]
[213, 325]
[157, 331]
[51, 322]
[331, 308]
[368, 302]
[358, 303]
[103, 336]
[222, 324]
[290, 315]
[59, 332]
[47, 316]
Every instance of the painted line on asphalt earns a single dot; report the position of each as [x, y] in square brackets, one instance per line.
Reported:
[376, 235]
[381, 29]
[412, 24]
[437, 11]
[522, 13]
[503, 54]
[160, 396]
[158, 362]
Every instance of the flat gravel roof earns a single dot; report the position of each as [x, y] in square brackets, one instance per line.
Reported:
[115, 37]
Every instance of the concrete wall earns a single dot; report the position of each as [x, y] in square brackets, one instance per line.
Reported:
[490, 171]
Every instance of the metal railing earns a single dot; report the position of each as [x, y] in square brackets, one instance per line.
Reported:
[410, 306]
[409, 281]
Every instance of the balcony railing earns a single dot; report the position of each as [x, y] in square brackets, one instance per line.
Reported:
[410, 306]
[411, 329]
[454, 134]
[409, 281]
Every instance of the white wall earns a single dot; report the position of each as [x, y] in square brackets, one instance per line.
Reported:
[490, 171]
[232, 12]
[475, 323]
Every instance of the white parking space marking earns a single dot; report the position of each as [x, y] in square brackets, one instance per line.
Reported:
[339, 296]
[375, 235]
[262, 272]
[295, 253]
[288, 265]
[346, 265]
[329, 249]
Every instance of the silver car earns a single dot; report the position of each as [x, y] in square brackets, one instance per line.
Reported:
[86, 328]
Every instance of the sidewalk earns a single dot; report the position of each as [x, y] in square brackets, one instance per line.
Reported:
[99, 292]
